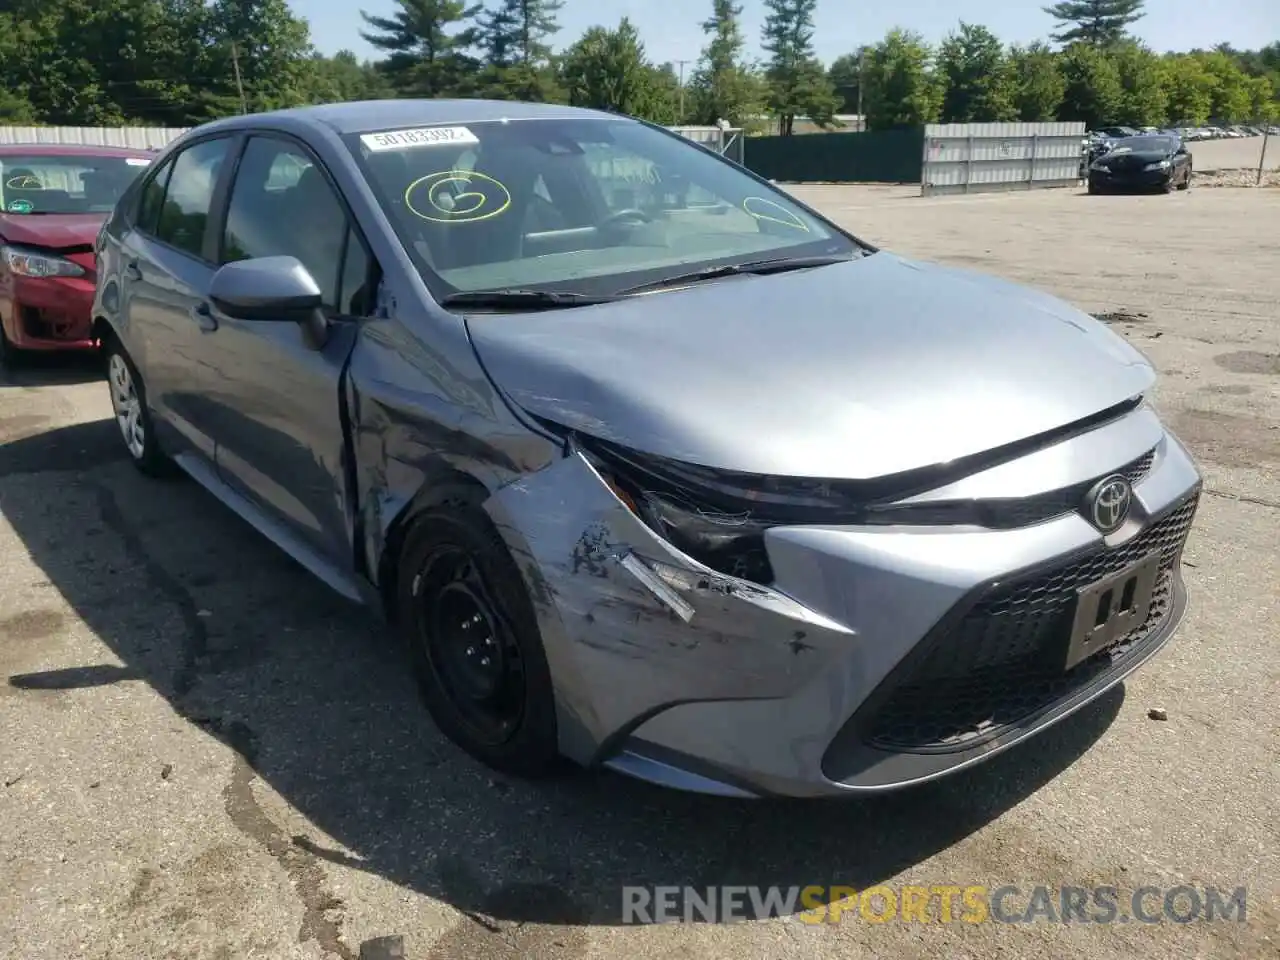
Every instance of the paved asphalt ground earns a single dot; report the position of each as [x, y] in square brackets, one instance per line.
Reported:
[207, 757]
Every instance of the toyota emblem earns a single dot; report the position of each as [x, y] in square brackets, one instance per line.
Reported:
[1108, 503]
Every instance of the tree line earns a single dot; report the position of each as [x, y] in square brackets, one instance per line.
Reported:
[182, 62]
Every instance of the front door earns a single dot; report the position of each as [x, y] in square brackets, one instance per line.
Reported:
[279, 420]
[167, 266]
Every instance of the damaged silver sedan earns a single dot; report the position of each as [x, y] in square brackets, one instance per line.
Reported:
[651, 466]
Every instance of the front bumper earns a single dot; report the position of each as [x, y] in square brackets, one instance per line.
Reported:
[1130, 179]
[880, 657]
[47, 313]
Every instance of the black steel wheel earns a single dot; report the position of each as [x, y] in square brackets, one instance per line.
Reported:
[473, 641]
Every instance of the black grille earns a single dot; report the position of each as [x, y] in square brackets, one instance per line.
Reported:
[1023, 512]
[1003, 661]
[1129, 162]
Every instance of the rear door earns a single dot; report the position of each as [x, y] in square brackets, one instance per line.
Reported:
[279, 417]
[168, 260]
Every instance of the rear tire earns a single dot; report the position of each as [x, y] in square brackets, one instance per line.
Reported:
[132, 416]
[473, 642]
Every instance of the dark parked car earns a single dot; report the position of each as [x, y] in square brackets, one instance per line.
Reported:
[1142, 163]
[651, 465]
[53, 201]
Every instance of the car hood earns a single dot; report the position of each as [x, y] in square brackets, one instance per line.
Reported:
[56, 231]
[1139, 156]
[857, 370]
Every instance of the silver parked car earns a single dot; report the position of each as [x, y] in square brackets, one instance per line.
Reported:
[652, 466]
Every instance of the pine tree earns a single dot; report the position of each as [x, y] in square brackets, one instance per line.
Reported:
[724, 87]
[798, 86]
[1097, 22]
[427, 41]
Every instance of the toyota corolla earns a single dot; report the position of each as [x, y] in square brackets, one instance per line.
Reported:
[651, 466]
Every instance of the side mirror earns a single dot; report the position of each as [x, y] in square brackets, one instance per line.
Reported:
[266, 288]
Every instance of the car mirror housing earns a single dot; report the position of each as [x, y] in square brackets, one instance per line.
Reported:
[266, 288]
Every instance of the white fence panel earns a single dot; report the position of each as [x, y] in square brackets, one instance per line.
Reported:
[138, 138]
[724, 140]
[972, 157]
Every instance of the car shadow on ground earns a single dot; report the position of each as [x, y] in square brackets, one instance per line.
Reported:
[313, 698]
[51, 369]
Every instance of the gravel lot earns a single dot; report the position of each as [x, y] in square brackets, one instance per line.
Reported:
[207, 757]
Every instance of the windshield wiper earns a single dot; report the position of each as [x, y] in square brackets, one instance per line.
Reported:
[753, 267]
[523, 299]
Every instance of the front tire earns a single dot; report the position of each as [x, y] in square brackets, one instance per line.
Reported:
[1186, 182]
[133, 418]
[473, 641]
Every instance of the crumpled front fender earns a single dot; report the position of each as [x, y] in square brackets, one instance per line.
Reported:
[632, 626]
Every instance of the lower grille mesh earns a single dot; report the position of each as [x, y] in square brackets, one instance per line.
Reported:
[1002, 662]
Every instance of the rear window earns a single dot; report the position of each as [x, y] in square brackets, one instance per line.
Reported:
[584, 203]
[42, 184]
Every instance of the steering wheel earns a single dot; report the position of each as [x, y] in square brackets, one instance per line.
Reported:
[629, 215]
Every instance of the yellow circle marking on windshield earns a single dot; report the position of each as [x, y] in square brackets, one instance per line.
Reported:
[457, 196]
[24, 182]
[777, 213]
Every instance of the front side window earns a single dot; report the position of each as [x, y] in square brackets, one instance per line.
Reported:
[189, 195]
[282, 205]
[595, 205]
[153, 198]
[50, 184]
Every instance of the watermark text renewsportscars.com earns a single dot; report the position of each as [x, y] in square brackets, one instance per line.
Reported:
[937, 903]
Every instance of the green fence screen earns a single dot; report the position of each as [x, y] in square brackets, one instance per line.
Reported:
[875, 156]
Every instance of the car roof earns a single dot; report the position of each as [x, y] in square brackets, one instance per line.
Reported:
[363, 116]
[69, 150]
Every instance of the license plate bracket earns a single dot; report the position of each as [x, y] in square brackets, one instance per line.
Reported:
[1109, 609]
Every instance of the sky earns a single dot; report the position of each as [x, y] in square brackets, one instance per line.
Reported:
[671, 32]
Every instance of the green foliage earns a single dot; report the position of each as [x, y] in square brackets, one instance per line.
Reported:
[608, 70]
[901, 87]
[845, 74]
[978, 84]
[1189, 88]
[798, 86]
[1092, 90]
[1038, 82]
[1144, 90]
[1098, 22]
[182, 62]
[724, 86]
[427, 42]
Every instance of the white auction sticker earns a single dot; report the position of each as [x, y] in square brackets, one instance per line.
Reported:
[421, 137]
[137, 161]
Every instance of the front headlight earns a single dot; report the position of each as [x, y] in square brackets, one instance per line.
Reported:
[27, 262]
[719, 518]
[1159, 165]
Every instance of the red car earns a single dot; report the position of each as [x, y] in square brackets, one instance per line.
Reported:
[54, 199]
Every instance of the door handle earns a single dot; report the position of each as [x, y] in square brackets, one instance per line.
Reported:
[202, 314]
[132, 270]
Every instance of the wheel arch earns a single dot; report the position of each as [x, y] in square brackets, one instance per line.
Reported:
[440, 485]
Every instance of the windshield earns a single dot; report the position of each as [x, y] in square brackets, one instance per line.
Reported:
[36, 184]
[1144, 145]
[592, 205]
